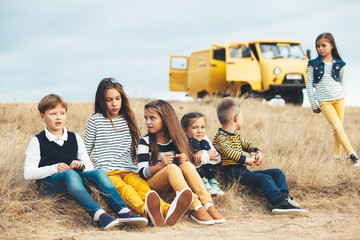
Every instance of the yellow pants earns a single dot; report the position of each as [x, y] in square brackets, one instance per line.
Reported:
[180, 177]
[334, 113]
[133, 189]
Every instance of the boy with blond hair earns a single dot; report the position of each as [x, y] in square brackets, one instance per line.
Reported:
[232, 147]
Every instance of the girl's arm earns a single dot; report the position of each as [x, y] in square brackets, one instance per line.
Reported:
[82, 155]
[32, 171]
[205, 156]
[89, 139]
[310, 88]
[342, 76]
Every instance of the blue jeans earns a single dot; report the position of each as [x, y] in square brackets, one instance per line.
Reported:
[272, 182]
[72, 183]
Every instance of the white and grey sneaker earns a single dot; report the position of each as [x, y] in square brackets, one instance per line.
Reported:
[215, 185]
[208, 187]
[355, 160]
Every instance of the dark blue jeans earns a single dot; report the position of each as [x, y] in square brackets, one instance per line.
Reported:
[272, 182]
[72, 183]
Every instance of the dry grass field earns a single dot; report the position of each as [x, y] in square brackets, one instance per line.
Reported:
[292, 138]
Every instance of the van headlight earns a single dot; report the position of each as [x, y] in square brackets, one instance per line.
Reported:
[277, 71]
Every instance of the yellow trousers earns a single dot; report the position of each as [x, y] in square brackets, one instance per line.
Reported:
[334, 113]
[133, 189]
[180, 177]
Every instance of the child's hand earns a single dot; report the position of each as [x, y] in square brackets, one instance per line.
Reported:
[181, 157]
[258, 157]
[62, 167]
[213, 154]
[75, 164]
[250, 160]
[197, 158]
[167, 159]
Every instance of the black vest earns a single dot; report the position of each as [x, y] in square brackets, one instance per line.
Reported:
[52, 153]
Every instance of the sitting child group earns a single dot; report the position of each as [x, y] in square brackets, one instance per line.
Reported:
[131, 172]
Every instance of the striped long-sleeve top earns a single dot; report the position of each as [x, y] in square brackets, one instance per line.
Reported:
[231, 147]
[112, 149]
[144, 155]
[327, 89]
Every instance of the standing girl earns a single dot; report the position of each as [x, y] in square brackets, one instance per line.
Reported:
[326, 74]
[113, 135]
[164, 156]
[206, 157]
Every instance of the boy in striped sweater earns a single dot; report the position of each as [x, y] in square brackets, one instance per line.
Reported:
[232, 148]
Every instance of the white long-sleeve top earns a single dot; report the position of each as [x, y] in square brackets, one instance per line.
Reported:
[32, 171]
[205, 159]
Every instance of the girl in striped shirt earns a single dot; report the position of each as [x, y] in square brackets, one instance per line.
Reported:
[112, 135]
[164, 160]
[326, 74]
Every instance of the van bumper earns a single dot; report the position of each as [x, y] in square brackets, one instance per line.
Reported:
[287, 86]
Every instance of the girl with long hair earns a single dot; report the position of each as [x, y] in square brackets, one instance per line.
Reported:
[326, 74]
[165, 160]
[112, 134]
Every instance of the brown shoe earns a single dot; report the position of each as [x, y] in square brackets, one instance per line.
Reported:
[215, 214]
[178, 207]
[201, 216]
[153, 209]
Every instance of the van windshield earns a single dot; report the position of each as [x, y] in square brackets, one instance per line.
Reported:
[281, 50]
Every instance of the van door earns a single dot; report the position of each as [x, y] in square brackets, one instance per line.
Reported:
[178, 76]
[241, 64]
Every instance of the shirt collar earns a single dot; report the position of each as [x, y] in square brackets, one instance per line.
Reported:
[51, 137]
[228, 133]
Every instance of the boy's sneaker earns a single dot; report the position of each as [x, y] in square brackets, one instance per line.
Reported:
[208, 187]
[215, 185]
[130, 219]
[283, 207]
[106, 221]
[355, 160]
[153, 208]
[201, 216]
[291, 201]
[179, 206]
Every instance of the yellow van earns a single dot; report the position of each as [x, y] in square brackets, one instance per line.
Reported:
[263, 68]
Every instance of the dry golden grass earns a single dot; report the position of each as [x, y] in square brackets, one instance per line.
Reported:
[292, 138]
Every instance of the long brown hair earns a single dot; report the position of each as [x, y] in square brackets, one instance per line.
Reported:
[328, 36]
[125, 110]
[172, 129]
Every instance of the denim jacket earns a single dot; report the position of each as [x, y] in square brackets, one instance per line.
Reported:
[319, 66]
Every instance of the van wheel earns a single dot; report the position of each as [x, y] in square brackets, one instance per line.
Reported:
[247, 91]
[202, 94]
[294, 97]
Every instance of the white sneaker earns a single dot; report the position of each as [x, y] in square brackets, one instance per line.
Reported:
[179, 206]
[208, 187]
[215, 185]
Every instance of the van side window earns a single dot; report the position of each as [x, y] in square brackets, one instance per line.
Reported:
[253, 49]
[239, 51]
[219, 54]
[178, 63]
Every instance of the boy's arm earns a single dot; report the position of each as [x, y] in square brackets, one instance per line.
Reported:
[32, 171]
[223, 145]
[82, 155]
[248, 146]
[89, 139]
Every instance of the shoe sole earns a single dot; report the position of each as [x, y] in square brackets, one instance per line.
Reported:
[134, 222]
[297, 212]
[210, 222]
[111, 225]
[178, 207]
[153, 209]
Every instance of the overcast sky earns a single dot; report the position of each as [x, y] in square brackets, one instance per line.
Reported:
[67, 47]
